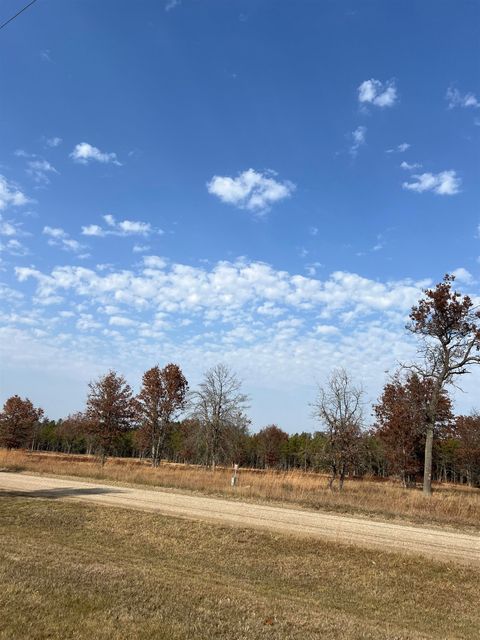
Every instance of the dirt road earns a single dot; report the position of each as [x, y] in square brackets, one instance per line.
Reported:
[443, 545]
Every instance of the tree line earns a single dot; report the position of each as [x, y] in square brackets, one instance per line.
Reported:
[414, 429]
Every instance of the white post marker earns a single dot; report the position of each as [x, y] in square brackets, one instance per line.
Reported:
[235, 477]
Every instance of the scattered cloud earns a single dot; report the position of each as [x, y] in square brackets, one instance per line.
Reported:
[313, 231]
[410, 166]
[10, 195]
[251, 190]
[39, 170]
[14, 247]
[8, 227]
[463, 276]
[377, 93]
[140, 248]
[401, 148]
[445, 183]
[225, 291]
[326, 329]
[60, 238]
[171, 4]
[84, 152]
[121, 228]
[312, 268]
[53, 142]
[359, 137]
[380, 244]
[45, 55]
[457, 99]
[154, 262]
[93, 230]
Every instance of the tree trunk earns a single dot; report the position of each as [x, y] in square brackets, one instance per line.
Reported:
[427, 472]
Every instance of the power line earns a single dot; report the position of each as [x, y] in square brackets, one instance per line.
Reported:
[17, 14]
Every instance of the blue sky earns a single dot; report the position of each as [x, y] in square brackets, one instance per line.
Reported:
[267, 184]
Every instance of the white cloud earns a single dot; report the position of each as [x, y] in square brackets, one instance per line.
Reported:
[10, 195]
[171, 4]
[60, 238]
[10, 228]
[120, 321]
[251, 190]
[226, 292]
[401, 148]
[130, 227]
[121, 228]
[84, 152]
[456, 99]
[7, 228]
[8, 294]
[45, 55]
[154, 262]
[410, 166]
[326, 329]
[359, 137]
[53, 142]
[39, 169]
[463, 275]
[443, 183]
[140, 248]
[92, 230]
[14, 247]
[377, 93]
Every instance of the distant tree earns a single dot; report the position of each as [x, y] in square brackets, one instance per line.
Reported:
[449, 328]
[111, 409]
[271, 444]
[402, 422]
[17, 421]
[75, 432]
[219, 405]
[339, 408]
[467, 454]
[161, 398]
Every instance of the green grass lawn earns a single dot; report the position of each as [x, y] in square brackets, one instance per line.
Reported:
[69, 570]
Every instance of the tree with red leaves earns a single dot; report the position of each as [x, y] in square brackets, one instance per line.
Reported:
[111, 409]
[161, 398]
[449, 328]
[401, 423]
[17, 421]
[467, 455]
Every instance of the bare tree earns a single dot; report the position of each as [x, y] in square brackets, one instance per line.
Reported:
[17, 421]
[111, 409]
[339, 408]
[449, 329]
[161, 398]
[219, 405]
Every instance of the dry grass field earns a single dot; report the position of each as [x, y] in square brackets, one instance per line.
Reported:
[451, 505]
[70, 570]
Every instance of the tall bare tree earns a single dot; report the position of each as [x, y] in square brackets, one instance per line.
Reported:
[339, 408]
[111, 409]
[219, 405]
[448, 326]
[161, 398]
[17, 421]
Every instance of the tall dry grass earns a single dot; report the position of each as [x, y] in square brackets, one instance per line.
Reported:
[453, 505]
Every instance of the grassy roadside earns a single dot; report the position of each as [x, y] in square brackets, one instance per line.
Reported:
[76, 571]
[454, 506]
